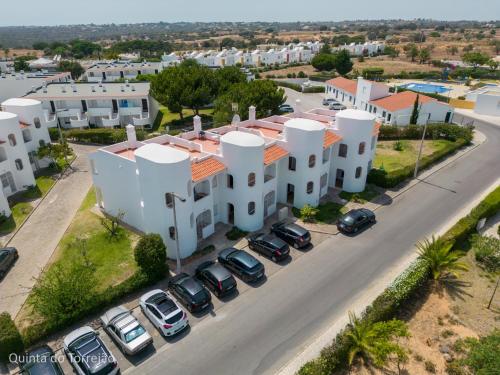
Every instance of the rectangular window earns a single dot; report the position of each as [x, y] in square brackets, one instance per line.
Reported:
[389, 117]
[230, 181]
[292, 163]
[343, 150]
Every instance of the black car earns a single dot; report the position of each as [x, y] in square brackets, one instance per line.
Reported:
[8, 255]
[354, 220]
[294, 234]
[269, 245]
[242, 264]
[190, 292]
[216, 278]
[40, 361]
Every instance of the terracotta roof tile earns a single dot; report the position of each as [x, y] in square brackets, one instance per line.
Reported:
[273, 153]
[330, 139]
[401, 100]
[205, 168]
[344, 84]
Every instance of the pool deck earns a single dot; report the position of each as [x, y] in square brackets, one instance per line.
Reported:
[456, 89]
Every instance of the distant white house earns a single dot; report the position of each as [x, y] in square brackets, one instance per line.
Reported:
[367, 48]
[121, 70]
[23, 129]
[77, 105]
[236, 174]
[15, 85]
[487, 100]
[390, 108]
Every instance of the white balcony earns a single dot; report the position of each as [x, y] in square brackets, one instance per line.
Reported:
[80, 121]
[50, 120]
[110, 121]
[98, 111]
[130, 111]
[142, 120]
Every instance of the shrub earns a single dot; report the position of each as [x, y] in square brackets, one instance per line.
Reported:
[101, 136]
[150, 254]
[235, 234]
[430, 367]
[10, 338]
[487, 251]
[290, 85]
[54, 134]
[313, 89]
[398, 146]
[308, 213]
[301, 74]
[483, 356]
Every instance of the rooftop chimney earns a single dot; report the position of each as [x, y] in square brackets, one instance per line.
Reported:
[251, 113]
[197, 124]
[131, 137]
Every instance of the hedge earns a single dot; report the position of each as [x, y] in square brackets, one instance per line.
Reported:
[10, 338]
[289, 85]
[313, 89]
[402, 290]
[101, 136]
[434, 131]
[137, 281]
[382, 178]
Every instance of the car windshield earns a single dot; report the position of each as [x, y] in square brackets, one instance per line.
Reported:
[174, 318]
[227, 283]
[199, 297]
[3, 255]
[134, 333]
[348, 219]
[247, 260]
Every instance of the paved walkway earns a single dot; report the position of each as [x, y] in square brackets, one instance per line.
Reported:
[38, 237]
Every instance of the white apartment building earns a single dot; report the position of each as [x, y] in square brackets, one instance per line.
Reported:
[78, 105]
[486, 100]
[236, 174]
[392, 109]
[104, 71]
[15, 85]
[170, 59]
[23, 130]
[367, 48]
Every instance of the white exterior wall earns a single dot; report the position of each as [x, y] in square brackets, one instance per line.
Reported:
[355, 126]
[488, 103]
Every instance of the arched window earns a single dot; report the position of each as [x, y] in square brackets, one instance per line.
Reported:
[343, 150]
[251, 179]
[251, 208]
[292, 163]
[312, 161]
[12, 139]
[359, 170]
[171, 232]
[310, 187]
[37, 122]
[169, 200]
[230, 181]
[19, 164]
[361, 148]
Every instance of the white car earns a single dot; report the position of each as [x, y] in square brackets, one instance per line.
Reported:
[337, 107]
[163, 312]
[88, 354]
[125, 330]
[328, 101]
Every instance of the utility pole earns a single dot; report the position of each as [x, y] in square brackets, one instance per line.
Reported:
[415, 174]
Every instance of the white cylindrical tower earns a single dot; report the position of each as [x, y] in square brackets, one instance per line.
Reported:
[304, 142]
[165, 170]
[243, 155]
[356, 128]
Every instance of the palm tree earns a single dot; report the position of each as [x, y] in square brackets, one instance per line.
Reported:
[440, 257]
[361, 338]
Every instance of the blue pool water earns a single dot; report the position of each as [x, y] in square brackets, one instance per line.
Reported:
[428, 88]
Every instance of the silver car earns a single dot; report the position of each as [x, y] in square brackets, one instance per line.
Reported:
[125, 330]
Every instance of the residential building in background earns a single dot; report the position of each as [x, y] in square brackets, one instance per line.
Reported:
[486, 100]
[23, 130]
[15, 85]
[104, 71]
[236, 174]
[362, 49]
[389, 108]
[77, 105]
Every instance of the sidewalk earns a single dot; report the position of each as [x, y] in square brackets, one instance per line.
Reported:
[38, 237]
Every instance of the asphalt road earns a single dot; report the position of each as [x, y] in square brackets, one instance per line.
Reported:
[261, 331]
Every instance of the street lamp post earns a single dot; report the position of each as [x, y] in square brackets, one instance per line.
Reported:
[61, 139]
[415, 174]
[177, 254]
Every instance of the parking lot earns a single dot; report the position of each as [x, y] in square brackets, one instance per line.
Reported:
[212, 313]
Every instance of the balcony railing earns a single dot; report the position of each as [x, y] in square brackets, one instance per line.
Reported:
[141, 121]
[110, 121]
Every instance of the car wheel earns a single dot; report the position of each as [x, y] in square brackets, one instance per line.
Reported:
[274, 259]
[295, 245]
[16, 256]
[2, 274]
[355, 229]
[372, 220]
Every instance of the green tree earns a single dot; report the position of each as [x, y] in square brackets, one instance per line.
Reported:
[323, 62]
[375, 342]
[475, 58]
[10, 338]
[228, 76]
[21, 63]
[492, 64]
[411, 51]
[440, 257]
[55, 151]
[40, 46]
[84, 48]
[151, 255]
[415, 111]
[73, 67]
[424, 55]
[263, 94]
[326, 49]
[453, 50]
[391, 51]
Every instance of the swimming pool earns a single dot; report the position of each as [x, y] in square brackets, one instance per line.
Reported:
[427, 88]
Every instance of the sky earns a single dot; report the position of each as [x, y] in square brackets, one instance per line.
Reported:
[59, 12]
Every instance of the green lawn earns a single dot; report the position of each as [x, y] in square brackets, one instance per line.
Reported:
[365, 196]
[328, 212]
[390, 159]
[112, 258]
[165, 118]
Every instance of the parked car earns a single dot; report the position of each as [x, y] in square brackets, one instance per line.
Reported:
[286, 108]
[88, 354]
[269, 245]
[8, 256]
[163, 312]
[328, 101]
[190, 292]
[40, 361]
[216, 278]
[126, 330]
[294, 234]
[337, 107]
[242, 264]
[354, 220]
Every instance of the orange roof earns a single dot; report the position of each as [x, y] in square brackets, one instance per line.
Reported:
[376, 128]
[330, 139]
[344, 84]
[401, 100]
[273, 153]
[205, 168]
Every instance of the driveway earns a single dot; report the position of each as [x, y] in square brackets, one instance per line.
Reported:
[42, 231]
[307, 101]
